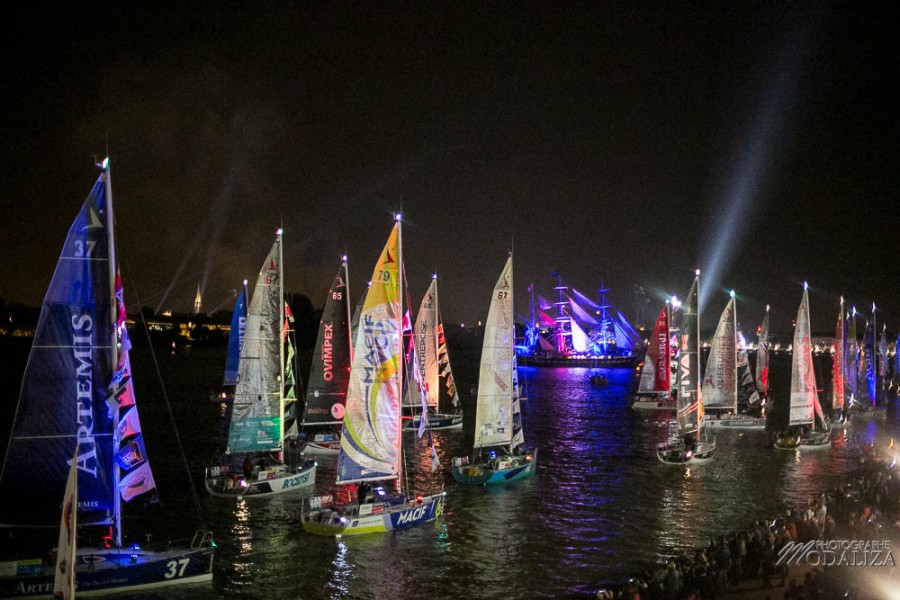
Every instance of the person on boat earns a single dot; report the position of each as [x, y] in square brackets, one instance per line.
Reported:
[690, 442]
[248, 468]
[362, 493]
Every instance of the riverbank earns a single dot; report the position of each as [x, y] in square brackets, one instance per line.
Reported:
[842, 544]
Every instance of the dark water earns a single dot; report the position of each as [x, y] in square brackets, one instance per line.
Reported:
[601, 505]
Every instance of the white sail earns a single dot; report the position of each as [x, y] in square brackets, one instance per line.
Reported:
[426, 338]
[580, 340]
[720, 378]
[493, 418]
[804, 398]
[583, 315]
[64, 578]
[257, 418]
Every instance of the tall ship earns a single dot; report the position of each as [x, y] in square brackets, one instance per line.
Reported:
[577, 331]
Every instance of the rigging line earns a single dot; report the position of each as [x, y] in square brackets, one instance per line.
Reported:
[165, 396]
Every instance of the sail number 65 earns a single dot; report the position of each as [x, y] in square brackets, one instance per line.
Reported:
[176, 567]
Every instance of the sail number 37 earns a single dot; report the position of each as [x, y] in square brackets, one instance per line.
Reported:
[83, 249]
[176, 567]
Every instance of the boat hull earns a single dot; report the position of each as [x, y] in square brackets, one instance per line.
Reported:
[509, 469]
[654, 402]
[381, 517]
[436, 421]
[323, 443]
[323, 448]
[118, 571]
[735, 422]
[678, 454]
[816, 441]
[266, 483]
[610, 362]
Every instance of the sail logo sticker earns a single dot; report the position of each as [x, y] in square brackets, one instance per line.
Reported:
[327, 360]
[295, 481]
[82, 345]
[337, 411]
[411, 516]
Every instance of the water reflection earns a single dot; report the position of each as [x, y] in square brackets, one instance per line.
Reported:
[600, 506]
[242, 535]
[341, 572]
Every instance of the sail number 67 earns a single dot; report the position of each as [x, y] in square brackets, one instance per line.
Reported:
[501, 295]
[176, 567]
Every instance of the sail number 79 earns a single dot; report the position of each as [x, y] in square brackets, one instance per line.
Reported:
[176, 567]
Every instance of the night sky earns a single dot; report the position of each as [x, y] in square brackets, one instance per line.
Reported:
[626, 144]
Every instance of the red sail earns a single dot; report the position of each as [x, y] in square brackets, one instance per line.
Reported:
[662, 380]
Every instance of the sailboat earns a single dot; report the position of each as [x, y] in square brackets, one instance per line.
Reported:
[807, 426]
[499, 454]
[862, 405]
[762, 359]
[262, 398]
[434, 365]
[838, 370]
[233, 350]
[329, 375]
[689, 442]
[721, 380]
[369, 470]
[655, 386]
[78, 388]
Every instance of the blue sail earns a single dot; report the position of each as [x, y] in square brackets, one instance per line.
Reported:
[236, 338]
[64, 388]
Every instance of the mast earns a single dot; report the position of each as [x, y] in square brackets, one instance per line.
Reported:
[434, 342]
[347, 292]
[874, 357]
[401, 371]
[735, 349]
[697, 389]
[562, 317]
[839, 362]
[114, 349]
[669, 344]
[531, 289]
[512, 353]
[281, 341]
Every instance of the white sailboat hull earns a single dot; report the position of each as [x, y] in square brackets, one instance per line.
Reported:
[660, 401]
[732, 421]
[269, 482]
[378, 517]
[678, 454]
